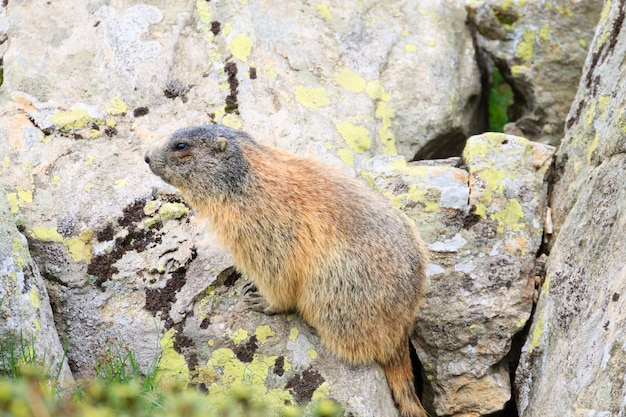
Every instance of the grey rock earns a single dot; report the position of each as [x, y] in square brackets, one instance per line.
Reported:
[482, 262]
[540, 47]
[573, 362]
[365, 87]
[26, 320]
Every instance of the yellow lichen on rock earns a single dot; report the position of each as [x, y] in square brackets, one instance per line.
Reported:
[263, 333]
[537, 332]
[240, 47]
[74, 119]
[232, 120]
[116, 106]
[172, 366]
[173, 211]
[34, 298]
[526, 47]
[251, 376]
[313, 98]
[350, 80]
[324, 11]
[239, 336]
[79, 248]
[347, 156]
[46, 234]
[357, 137]
[510, 216]
[293, 334]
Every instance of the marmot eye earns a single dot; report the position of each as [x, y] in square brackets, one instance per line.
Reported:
[181, 146]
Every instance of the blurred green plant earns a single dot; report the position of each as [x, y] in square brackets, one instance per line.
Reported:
[119, 364]
[122, 389]
[16, 354]
[28, 397]
[500, 98]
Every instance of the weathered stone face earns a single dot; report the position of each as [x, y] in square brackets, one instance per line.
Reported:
[574, 360]
[344, 78]
[88, 86]
[483, 226]
[26, 321]
[540, 47]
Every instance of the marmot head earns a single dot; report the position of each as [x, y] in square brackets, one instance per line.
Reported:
[202, 161]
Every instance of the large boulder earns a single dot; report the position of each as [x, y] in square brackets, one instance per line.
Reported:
[540, 48]
[125, 261]
[27, 332]
[297, 74]
[483, 224]
[574, 361]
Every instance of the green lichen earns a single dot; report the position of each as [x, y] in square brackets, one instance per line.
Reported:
[239, 336]
[370, 180]
[18, 251]
[321, 392]
[481, 210]
[526, 47]
[356, 137]
[24, 194]
[14, 202]
[235, 374]
[350, 80]
[293, 334]
[593, 146]
[415, 195]
[545, 288]
[590, 112]
[480, 148]
[509, 217]
[241, 46]
[347, 156]
[605, 11]
[324, 11]
[387, 138]
[313, 98]
[263, 333]
[172, 367]
[46, 234]
[375, 90]
[621, 120]
[414, 170]
[545, 33]
[537, 332]
[34, 298]
[603, 106]
[74, 119]
[204, 14]
[116, 107]
[78, 249]
[493, 183]
[173, 211]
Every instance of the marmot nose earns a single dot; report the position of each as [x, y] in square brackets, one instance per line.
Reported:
[146, 158]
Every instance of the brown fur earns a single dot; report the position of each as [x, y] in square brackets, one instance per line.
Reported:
[313, 239]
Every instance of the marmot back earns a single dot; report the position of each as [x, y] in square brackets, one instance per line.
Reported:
[313, 239]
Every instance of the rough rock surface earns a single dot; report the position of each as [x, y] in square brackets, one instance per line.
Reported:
[289, 71]
[483, 226]
[574, 361]
[26, 321]
[126, 262]
[540, 47]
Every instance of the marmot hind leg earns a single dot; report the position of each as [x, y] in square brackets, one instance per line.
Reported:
[255, 301]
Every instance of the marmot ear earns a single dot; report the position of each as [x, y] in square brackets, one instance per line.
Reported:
[221, 144]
